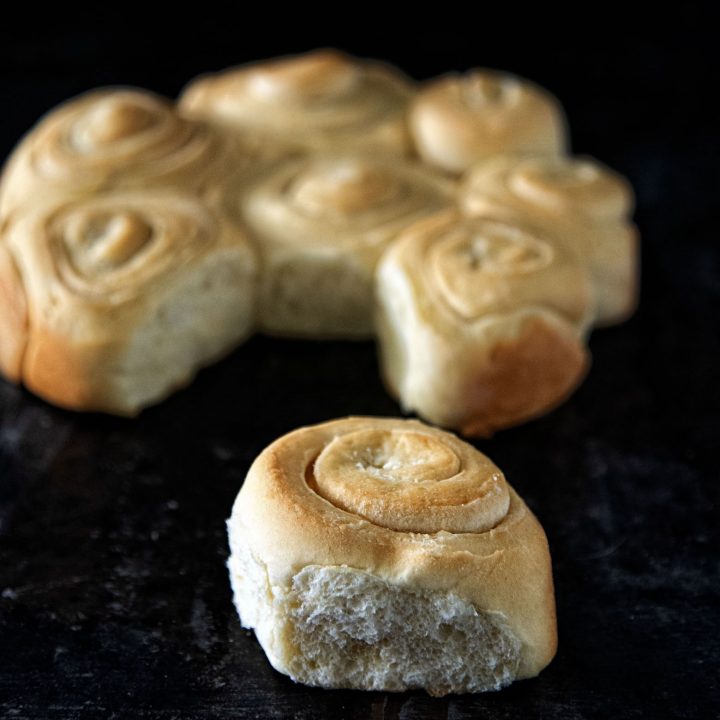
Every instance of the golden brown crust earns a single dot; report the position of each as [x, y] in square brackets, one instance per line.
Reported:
[13, 317]
[128, 295]
[481, 321]
[457, 120]
[288, 526]
[525, 377]
[113, 138]
[322, 100]
[584, 204]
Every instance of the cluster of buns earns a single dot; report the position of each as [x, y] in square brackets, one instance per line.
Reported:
[316, 196]
[385, 554]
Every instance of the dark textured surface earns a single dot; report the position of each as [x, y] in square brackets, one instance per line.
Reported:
[114, 600]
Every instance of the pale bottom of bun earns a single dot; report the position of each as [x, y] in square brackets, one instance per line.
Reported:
[197, 317]
[317, 296]
[340, 627]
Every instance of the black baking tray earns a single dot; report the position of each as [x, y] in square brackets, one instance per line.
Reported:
[114, 599]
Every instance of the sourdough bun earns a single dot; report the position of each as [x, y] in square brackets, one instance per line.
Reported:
[321, 100]
[458, 120]
[321, 224]
[583, 203]
[481, 321]
[113, 139]
[384, 554]
[127, 294]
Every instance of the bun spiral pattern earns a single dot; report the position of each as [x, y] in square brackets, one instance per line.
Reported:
[458, 120]
[384, 554]
[115, 284]
[308, 159]
[111, 139]
[321, 224]
[481, 321]
[320, 100]
[585, 204]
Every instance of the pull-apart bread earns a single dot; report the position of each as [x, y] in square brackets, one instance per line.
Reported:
[317, 196]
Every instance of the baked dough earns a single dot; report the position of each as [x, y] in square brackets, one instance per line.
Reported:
[383, 554]
[114, 138]
[321, 224]
[580, 201]
[481, 321]
[266, 199]
[127, 296]
[320, 100]
[458, 120]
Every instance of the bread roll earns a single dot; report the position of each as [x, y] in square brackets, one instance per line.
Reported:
[321, 100]
[321, 224]
[113, 138]
[457, 120]
[384, 554]
[579, 200]
[128, 295]
[481, 322]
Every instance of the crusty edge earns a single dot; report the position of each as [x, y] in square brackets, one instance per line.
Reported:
[526, 377]
[13, 316]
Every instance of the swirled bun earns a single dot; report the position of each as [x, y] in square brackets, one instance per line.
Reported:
[321, 100]
[127, 294]
[110, 139]
[384, 554]
[321, 224]
[481, 321]
[458, 120]
[582, 202]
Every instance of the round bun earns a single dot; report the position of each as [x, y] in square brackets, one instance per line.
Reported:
[109, 139]
[128, 295]
[583, 203]
[458, 120]
[384, 554]
[321, 224]
[481, 321]
[320, 100]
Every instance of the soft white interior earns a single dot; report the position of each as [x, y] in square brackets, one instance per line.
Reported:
[198, 317]
[321, 295]
[341, 627]
[394, 323]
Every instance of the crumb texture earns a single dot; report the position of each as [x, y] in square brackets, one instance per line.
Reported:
[352, 629]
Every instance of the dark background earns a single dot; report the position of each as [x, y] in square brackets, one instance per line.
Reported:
[114, 600]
